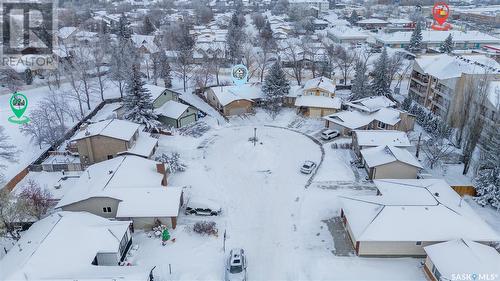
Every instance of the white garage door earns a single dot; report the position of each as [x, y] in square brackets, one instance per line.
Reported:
[186, 120]
[237, 111]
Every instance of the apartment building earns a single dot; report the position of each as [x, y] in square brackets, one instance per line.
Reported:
[438, 82]
[320, 5]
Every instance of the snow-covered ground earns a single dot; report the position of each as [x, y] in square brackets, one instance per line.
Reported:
[266, 208]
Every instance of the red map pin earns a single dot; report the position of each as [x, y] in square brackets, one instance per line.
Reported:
[440, 11]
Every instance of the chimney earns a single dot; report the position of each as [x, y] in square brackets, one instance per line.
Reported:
[160, 168]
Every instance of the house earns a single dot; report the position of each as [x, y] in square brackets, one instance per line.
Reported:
[461, 259]
[408, 215]
[382, 119]
[370, 104]
[127, 187]
[362, 139]
[145, 43]
[346, 34]
[317, 98]
[234, 100]
[106, 139]
[176, 114]
[372, 24]
[389, 162]
[72, 246]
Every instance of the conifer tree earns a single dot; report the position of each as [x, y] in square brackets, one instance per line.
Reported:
[447, 46]
[138, 102]
[380, 85]
[275, 88]
[415, 45]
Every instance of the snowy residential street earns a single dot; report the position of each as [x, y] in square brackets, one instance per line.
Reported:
[267, 210]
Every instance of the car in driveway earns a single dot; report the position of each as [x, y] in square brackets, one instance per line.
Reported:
[307, 167]
[236, 266]
[205, 207]
[329, 134]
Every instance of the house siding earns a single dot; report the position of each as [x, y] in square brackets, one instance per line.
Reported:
[393, 248]
[164, 97]
[97, 148]
[394, 170]
[94, 206]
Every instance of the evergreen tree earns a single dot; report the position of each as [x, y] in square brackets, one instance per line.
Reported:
[380, 84]
[234, 38]
[124, 31]
[165, 70]
[147, 26]
[138, 103]
[447, 46]
[354, 18]
[360, 82]
[415, 45]
[275, 88]
[487, 182]
[407, 103]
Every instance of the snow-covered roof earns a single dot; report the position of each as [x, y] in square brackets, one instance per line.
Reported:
[414, 210]
[357, 119]
[155, 91]
[172, 109]
[371, 104]
[399, 21]
[143, 146]
[445, 66]
[435, 36]
[161, 202]
[113, 128]
[318, 101]
[111, 177]
[382, 137]
[63, 245]
[145, 40]
[322, 83]
[228, 94]
[66, 31]
[372, 21]
[345, 32]
[462, 256]
[385, 154]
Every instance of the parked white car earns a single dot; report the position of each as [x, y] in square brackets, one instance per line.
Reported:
[203, 207]
[236, 266]
[329, 134]
[308, 167]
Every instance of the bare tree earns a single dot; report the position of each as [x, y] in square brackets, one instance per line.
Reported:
[98, 53]
[295, 55]
[123, 56]
[7, 151]
[11, 79]
[475, 122]
[344, 61]
[250, 60]
[204, 74]
[184, 43]
[11, 213]
[267, 45]
[47, 124]
[436, 150]
[36, 200]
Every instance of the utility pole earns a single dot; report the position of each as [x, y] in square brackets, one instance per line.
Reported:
[254, 136]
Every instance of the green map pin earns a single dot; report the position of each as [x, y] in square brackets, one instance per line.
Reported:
[18, 103]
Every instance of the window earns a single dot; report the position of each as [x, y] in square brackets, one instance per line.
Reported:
[418, 243]
[110, 157]
[106, 209]
[381, 125]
